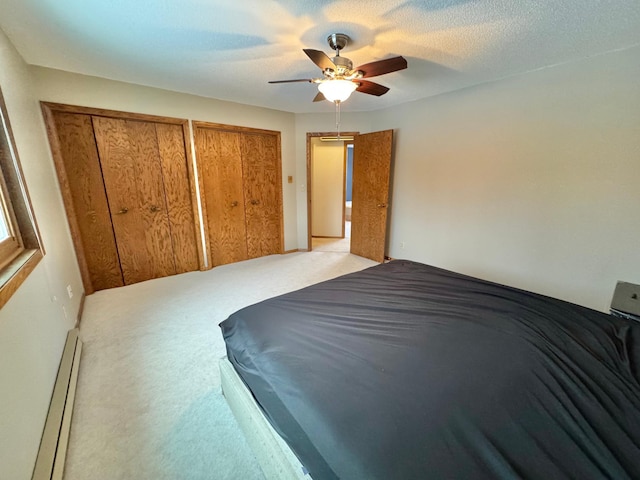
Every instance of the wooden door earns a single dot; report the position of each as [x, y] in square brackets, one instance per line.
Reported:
[149, 157]
[220, 164]
[132, 172]
[177, 189]
[370, 194]
[87, 209]
[263, 193]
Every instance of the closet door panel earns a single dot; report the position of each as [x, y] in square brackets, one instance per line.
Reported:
[263, 195]
[133, 182]
[151, 198]
[220, 163]
[119, 179]
[90, 210]
[178, 194]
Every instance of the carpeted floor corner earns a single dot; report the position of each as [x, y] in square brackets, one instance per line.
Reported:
[148, 404]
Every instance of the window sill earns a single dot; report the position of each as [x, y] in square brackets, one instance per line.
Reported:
[16, 272]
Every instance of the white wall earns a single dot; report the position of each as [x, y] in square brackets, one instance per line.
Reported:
[327, 192]
[74, 89]
[33, 326]
[532, 181]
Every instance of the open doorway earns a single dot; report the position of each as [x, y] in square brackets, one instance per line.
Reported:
[329, 180]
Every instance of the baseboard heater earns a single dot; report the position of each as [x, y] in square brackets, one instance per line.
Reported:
[55, 437]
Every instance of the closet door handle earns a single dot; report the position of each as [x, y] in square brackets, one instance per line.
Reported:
[382, 205]
[154, 208]
[234, 204]
[255, 202]
[122, 211]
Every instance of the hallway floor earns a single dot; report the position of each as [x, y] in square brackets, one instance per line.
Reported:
[333, 244]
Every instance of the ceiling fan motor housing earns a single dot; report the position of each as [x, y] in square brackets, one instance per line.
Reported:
[343, 64]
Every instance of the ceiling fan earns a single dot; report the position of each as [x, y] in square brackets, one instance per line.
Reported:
[339, 78]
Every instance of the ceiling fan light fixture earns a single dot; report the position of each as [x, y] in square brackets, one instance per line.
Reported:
[337, 90]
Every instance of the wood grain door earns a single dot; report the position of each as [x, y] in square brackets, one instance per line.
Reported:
[180, 206]
[82, 177]
[262, 193]
[370, 194]
[219, 156]
[132, 172]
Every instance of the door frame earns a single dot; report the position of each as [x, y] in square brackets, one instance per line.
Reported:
[311, 135]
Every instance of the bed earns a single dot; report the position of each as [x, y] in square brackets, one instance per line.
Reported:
[405, 371]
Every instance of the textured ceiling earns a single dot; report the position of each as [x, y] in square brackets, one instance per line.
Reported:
[229, 49]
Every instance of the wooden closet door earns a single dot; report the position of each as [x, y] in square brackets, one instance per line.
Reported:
[175, 175]
[220, 163]
[132, 173]
[263, 193]
[89, 212]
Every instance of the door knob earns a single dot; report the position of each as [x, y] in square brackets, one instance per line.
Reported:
[154, 208]
[382, 205]
[123, 211]
[255, 202]
[234, 204]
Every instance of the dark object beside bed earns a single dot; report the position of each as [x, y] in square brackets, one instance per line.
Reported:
[405, 371]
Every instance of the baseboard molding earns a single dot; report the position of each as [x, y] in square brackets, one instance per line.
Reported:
[80, 311]
[55, 437]
[291, 251]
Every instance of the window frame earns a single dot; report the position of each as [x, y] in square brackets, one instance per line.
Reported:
[22, 250]
[11, 246]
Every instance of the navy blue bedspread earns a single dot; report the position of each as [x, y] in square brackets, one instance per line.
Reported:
[405, 371]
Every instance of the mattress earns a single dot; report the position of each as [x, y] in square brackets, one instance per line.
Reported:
[408, 371]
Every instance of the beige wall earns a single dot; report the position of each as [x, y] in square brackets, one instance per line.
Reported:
[63, 87]
[33, 324]
[532, 181]
[327, 192]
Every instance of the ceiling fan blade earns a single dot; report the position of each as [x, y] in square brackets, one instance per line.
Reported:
[291, 81]
[371, 88]
[320, 59]
[319, 97]
[381, 67]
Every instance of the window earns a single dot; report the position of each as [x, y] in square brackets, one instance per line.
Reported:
[20, 248]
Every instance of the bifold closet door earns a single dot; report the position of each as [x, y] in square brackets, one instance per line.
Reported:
[128, 187]
[83, 180]
[180, 205]
[220, 165]
[132, 173]
[263, 197]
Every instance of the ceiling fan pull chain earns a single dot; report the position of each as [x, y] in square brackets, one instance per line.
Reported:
[338, 117]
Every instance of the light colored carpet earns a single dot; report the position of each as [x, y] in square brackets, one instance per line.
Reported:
[148, 404]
